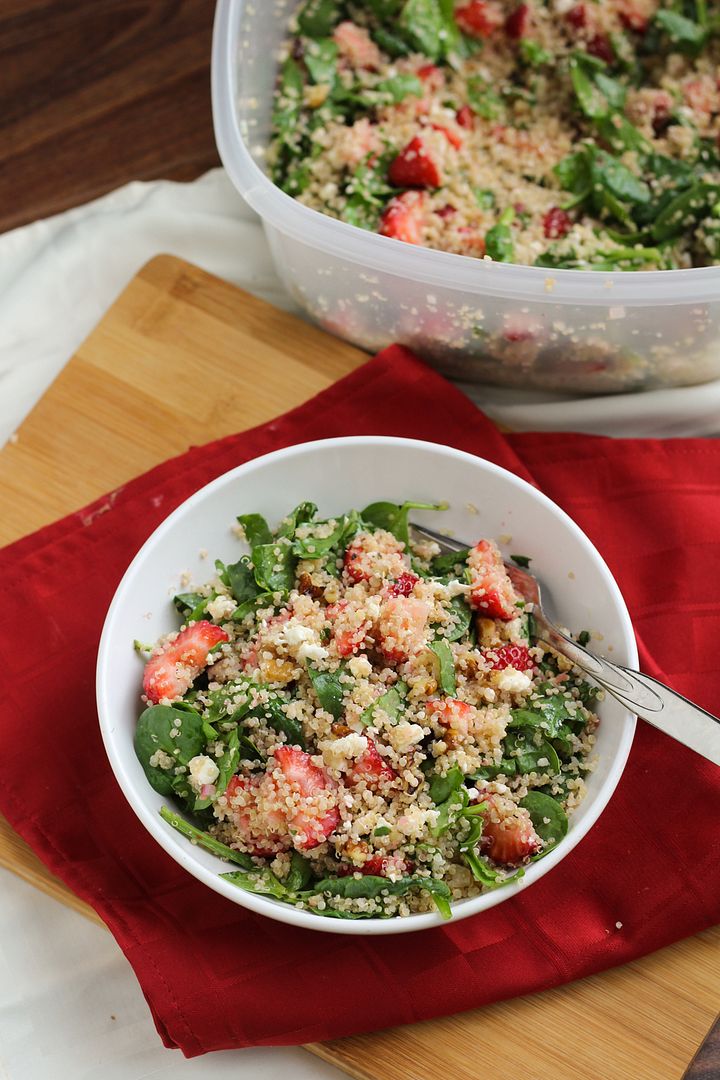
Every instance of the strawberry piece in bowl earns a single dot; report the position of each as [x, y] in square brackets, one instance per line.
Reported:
[492, 591]
[404, 217]
[415, 166]
[170, 674]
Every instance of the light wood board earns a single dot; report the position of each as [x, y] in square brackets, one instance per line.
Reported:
[182, 357]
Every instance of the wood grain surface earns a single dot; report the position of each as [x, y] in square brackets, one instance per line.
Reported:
[179, 353]
[94, 93]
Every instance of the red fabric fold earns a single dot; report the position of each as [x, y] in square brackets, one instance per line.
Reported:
[216, 976]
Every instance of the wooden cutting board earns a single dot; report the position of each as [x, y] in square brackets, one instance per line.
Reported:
[181, 352]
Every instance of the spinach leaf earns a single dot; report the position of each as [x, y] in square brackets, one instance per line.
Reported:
[533, 53]
[445, 666]
[393, 517]
[301, 515]
[521, 749]
[256, 529]
[483, 98]
[443, 786]
[423, 25]
[463, 619]
[320, 58]
[548, 817]
[260, 881]
[687, 207]
[177, 732]
[300, 874]
[401, 86]
[687, 35]
[521, 560]
[391, 702]
[498, 240]
[384, 9]
[275, 566]
[370, 887]
[240, 579]
[486, 874]
[367, 193]
[236, 700]
[227, 764]
[393, 44]
[447, 564]
[275, 717]
[204, 840]
[548, 715]
[329, 690]
[189, 601]
[311, 547]
[318, 17]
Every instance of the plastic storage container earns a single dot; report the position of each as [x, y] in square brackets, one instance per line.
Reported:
[570, 330]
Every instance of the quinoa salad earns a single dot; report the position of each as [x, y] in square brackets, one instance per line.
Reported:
[362, 725]
[554, 133]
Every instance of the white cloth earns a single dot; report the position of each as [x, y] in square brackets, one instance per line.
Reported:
[70, 1008]
[59, 275]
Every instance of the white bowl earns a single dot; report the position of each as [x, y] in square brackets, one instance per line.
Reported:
[337, 474]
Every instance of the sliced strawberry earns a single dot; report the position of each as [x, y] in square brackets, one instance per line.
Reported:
[634, 16]
[454, 715]
[515, 656]
[577, 16]
[508, 833]
[378, 866]
[262, 833]
[355, 44]
[432, 76]
[492, 591]
[465, 117]
[376, 554]
[317, 816]
[401, 627]
[479, 18]
[517, 23]
[170, 674]
[403, 217]
[453, 137]
[600, 46]
[415, 167]
[556, 223]
[403, 586]
[371, 767]
[348, 636]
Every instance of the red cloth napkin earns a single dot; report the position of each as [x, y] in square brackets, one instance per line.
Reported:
[216, 976]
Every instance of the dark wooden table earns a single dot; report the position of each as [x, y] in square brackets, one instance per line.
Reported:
[94, 93]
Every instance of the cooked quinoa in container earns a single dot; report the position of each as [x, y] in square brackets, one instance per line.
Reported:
[364, 726]
[555, 134]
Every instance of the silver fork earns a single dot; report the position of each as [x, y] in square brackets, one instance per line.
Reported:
[651, 700]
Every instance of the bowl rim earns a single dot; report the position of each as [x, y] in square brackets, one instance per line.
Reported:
[181, 850]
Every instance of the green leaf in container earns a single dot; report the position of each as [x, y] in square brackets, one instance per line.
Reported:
[178, 733]
[321, 61]
[393, 517]
[392, 703]
[370, 887]
[204, 840]
[329, 689]
[548, 817]
[318, 17]
[256, 529]
[445, 666]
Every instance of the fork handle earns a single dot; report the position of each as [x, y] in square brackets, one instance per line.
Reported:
[651, 700]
